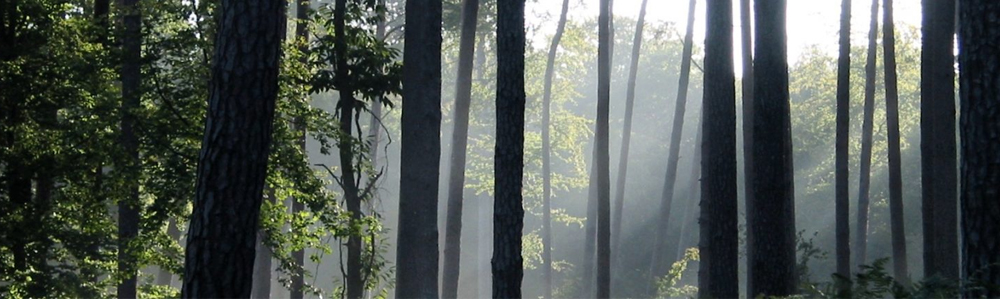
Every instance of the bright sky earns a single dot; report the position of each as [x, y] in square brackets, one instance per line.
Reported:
[810, 22]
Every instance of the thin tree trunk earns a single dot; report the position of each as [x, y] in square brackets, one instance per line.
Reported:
[128, 207]
[660, 265]
[616, 225]
[297, 288]
[590, 229]
[842, 209]
[417, 274]
[772, 257]
[164, 277]
[720, 228]
[232, 166]
[979, 41]
[746, 43]
[603, 157]
[262, 260]
[938, 144]
[547, 155]
[484, 277]
[508, 214]
[861, 235]
[695, 192]
[895, 169]
[459, 142]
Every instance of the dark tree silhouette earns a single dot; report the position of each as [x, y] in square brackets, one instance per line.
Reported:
[720, 230]
[979, 65]
[508, 169]
[771, 257]
[128, 207]
[417, 271]
[895, 169]
[233, 161]
[459, 145]
[861, 234]
[938, 142]
[660, 264]
[547, 153]
[843, 226]
[603, 157]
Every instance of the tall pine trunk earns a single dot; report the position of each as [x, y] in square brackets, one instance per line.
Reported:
[746, 43]
[616, 225]
[459, 145]
[842, 198]
[128, 207]
[895, 169]
[547, 154]
[232, 166]
[771, 257]
[979, 53]
[603, 157]
[938, 141]
[417, 272]
[508, 165]
[861, 235]
[720, 231]
[659, 264]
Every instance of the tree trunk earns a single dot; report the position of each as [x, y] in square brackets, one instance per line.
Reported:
[459, 142]
[937, 140]
[746, 34]
[660, 265]
[128, 207]
[695, 191]
[297, 288]
[603, 158]
[590, 229]
[861, 235]
[720, 230]
[417, 274]
[164, 277]
[233, 163]
[262, 260]
[842, 201]
[508, 213]
[895, 169]
[547, 153]
[616, 225]
[772, 256]
[979, 41]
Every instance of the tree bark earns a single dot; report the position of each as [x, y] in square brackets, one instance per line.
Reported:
[895, 169]
[616, 225]
[603, 157]
[547, 154]
[128, 207]
[660, 265]
[459, 142]
[938, 141]
[979, 64]
[861, 235]
[508, 213]
[232, 166]
[417, 272]
[842, 175]
[772, 256]
[720, 230]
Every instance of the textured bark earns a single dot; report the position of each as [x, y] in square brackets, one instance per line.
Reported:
[938, 141]
[232, 166]
[746, 43]
[128, 207]
[979, 64]
[772, 256]
[660, 265]
[297, 288]
[603, 157]
[842, 198]
[417, 271]
[616, 225]
[720, 228]
[547, 155]
[895, 169]
[861, 235]
[508, 170]
[459, 146]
